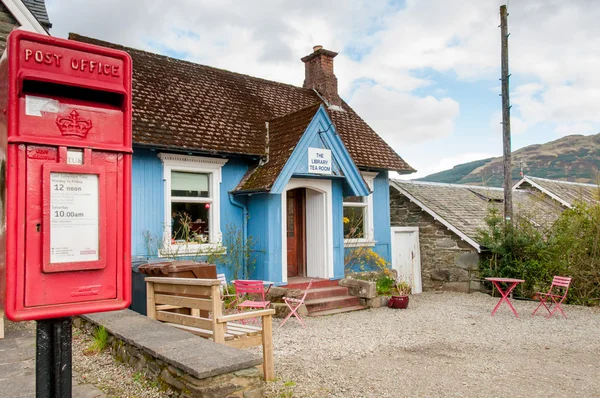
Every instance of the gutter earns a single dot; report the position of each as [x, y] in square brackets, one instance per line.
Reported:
[184, 150]
[244, 209]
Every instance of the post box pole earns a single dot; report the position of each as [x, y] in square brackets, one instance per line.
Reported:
[53, 375]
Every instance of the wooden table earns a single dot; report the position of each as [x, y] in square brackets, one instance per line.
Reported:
[511, 284]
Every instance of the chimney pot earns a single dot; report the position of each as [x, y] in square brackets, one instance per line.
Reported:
[318, 68]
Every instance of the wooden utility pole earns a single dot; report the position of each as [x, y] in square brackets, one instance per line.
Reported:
[508, 207]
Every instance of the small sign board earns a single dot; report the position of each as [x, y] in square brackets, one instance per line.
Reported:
[73, 217]
[319, 161]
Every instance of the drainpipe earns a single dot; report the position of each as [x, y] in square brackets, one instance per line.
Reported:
[242, 206]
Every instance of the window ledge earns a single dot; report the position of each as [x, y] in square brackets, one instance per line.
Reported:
[186, 250]
[359, 243]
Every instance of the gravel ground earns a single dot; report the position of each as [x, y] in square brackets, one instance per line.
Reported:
[444, 344]
[100, 369]
[115, 379]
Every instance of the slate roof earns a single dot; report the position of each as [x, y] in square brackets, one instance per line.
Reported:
[568, 193]
[284, 134]
[38, 9]
[181, 105]
[465, 207]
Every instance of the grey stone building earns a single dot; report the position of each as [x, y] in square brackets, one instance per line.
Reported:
[448, 219]
[30, 15]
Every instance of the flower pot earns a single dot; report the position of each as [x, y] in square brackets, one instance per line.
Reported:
[398, 302]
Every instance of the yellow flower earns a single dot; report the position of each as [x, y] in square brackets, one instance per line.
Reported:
[346, 220]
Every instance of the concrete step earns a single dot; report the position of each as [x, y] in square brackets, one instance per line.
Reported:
[317, 283]
[324, 292]
[337, 310]
[329, 303]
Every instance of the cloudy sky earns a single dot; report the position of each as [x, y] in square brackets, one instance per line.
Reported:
[423, 73]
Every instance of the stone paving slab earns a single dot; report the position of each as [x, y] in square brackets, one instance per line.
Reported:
[17, 368]
[197, 356]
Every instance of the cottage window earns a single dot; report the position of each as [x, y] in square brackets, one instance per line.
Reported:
[354, 217]
[358, 217]
[192, 214]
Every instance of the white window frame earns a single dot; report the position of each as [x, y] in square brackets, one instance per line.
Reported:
[368, 224]
[193, 164]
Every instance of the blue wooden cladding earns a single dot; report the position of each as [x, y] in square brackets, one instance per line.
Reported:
[260, 216]
[147, 201]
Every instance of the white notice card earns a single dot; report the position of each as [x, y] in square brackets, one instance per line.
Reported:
[74, 218]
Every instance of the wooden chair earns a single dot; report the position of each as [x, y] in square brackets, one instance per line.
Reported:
[224, 292]
[164, 294]
[555, 296]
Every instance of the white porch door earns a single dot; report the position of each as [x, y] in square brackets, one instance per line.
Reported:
[406, 257]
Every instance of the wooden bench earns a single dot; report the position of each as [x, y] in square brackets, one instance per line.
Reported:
[166, 294]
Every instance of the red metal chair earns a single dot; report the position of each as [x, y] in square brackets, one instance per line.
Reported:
[254, 288]
[555, 296]
[294, 304]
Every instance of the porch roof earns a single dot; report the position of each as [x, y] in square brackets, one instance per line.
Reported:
[282, 137]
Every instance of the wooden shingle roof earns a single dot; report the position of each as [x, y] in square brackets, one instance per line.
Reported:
[565, 192]
[284, 134]
[181, 105]
[464, 208]
[38, 9]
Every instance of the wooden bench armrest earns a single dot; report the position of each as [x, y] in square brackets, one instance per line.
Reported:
[244, 315]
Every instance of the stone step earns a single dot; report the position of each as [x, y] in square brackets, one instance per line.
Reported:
[317, 283]
[324, 292]
[329, 303]
[337, 310]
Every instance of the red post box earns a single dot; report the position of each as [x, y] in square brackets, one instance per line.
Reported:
[65, 171]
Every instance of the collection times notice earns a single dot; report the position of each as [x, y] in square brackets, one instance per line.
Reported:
[73, 218]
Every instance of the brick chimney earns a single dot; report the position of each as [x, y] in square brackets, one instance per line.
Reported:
[319, 75]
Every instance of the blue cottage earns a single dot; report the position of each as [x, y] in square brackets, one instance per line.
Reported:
[268, 180]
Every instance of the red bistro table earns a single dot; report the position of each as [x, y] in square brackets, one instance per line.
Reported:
[511, 284]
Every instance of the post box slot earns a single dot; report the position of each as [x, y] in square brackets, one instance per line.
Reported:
[49, 89]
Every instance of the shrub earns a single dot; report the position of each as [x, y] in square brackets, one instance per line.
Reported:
[384, 285]
[571, 247]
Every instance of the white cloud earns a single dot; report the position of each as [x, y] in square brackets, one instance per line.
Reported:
[402, 118]
[554, 52]
[517, 125]
[575, 128]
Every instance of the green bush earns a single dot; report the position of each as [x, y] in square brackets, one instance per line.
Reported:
[524, 251]
[575, 246]
[384, 285]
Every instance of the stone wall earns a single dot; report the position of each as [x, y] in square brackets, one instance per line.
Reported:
[445, 258]
[7, 24]
[210, 373]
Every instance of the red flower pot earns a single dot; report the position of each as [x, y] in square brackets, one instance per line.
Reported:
[398, 302]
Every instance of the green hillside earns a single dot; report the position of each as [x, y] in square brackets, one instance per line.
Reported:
[571, 158]
[457, 173]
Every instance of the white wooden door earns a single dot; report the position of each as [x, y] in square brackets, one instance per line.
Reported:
[406, 258]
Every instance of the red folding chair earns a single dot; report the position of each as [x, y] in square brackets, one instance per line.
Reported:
[294, 304]
[254, 288]
[555, 296]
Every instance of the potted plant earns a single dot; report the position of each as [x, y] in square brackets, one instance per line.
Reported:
[401, 300]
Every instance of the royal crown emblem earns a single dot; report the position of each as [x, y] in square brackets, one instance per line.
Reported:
[73, 125]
